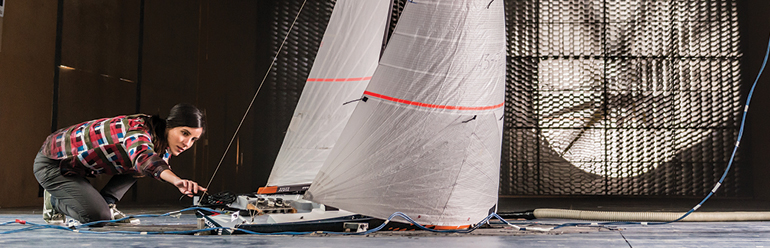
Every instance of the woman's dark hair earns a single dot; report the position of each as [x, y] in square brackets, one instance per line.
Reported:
[181, 115]
[185, 115]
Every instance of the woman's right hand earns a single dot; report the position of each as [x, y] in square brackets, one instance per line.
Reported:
[188, 187]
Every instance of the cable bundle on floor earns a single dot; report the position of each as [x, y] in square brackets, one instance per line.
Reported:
[78, 228]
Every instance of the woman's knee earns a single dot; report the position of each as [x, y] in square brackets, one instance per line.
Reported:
[93, 214]
[83, 209]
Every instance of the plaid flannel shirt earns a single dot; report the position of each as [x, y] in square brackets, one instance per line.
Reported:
[118, 145]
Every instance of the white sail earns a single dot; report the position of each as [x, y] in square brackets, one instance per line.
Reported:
[346, 60]
[426, 142]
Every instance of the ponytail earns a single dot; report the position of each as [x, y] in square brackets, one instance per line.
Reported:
[158, 132]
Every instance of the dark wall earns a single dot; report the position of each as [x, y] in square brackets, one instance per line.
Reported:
[26, 87]
[122, 57]
[127, 56]
[207, 53]
[755, 32]
[214, 55]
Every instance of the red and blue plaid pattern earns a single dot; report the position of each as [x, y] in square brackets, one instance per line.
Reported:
[118, 145]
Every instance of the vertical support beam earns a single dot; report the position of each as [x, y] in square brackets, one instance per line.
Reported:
[135, 188]
[56, 63]
[2, 12]
[139, 58]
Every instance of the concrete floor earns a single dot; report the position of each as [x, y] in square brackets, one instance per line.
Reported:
[683, 234]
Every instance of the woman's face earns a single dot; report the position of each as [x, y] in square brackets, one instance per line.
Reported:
[182, 138]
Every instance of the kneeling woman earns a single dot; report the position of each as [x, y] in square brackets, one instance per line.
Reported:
[126, 147]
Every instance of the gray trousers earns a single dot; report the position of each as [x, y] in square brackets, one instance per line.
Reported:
[75, 196]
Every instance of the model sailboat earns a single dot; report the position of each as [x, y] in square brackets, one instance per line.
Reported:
[425, 138]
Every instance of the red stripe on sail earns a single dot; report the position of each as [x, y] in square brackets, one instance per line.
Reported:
[428, 105]
[337, 79]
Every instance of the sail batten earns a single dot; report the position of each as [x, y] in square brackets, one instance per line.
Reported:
[433, 106]
[338, 79]
[427, 142]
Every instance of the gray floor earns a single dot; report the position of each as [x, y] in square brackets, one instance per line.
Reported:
[700, 234]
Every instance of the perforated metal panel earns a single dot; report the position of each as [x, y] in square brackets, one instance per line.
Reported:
[619, 97]
[292, 66]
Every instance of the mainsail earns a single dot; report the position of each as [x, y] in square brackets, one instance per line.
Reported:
[346, 60]
[426, 139]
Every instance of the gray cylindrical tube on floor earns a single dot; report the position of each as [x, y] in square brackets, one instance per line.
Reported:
[650, 216]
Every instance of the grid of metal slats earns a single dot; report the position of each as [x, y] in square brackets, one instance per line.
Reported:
[290, 70]
[617, 97]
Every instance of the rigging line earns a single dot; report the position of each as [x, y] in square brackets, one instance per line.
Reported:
[254, 98]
